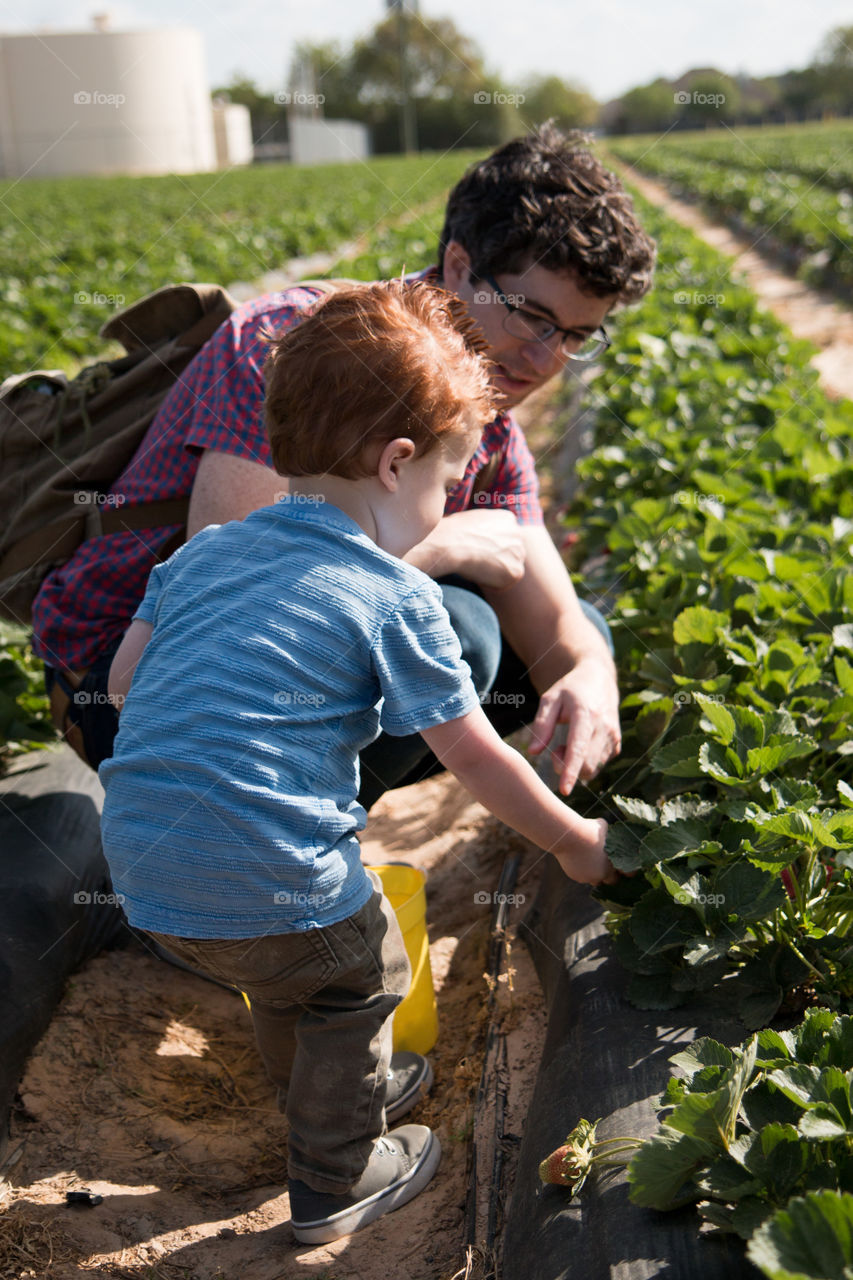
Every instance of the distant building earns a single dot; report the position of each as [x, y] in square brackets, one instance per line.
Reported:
[314, 140]
[102, 101]
[232, 133]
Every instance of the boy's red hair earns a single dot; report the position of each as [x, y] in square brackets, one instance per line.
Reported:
[370, 364]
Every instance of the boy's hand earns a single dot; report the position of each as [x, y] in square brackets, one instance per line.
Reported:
[587, 862]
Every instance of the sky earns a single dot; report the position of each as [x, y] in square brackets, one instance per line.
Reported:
[608, 46]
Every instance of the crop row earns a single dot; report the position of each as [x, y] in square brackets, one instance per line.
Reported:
[822, 153]
[809, 225]
[717, 512]
[73, 250]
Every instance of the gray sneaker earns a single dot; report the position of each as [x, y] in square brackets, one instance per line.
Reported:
[401, 1164]
[409, 1079]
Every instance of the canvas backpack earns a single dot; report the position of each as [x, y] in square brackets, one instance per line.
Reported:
[64, 442]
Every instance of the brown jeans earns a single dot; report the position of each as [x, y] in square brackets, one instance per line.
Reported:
[322, 1002]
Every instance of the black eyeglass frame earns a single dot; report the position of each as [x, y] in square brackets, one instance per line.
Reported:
[599, 335]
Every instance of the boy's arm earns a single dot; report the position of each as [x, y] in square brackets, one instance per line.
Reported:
[504, 782]
[126, 657]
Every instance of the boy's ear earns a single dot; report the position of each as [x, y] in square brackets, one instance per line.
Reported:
[394, 456]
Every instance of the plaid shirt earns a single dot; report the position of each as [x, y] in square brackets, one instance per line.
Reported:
[84, 607]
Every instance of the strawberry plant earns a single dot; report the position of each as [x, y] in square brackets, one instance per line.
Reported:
[24, 715]
[821, 152]
[759, 1137]
[716, 517]
[73, 250]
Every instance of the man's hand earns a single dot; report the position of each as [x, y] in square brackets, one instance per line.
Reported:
[484, 546]
[586, 700]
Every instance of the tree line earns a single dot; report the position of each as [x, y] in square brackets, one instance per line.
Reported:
[455, 100]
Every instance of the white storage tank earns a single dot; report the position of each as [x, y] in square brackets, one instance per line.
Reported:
[104, 102]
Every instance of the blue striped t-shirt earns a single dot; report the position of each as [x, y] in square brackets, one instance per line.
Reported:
[281, 644]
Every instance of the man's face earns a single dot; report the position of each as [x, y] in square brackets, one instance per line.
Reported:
[520, 365]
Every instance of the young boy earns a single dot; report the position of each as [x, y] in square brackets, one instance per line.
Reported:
[265, 654]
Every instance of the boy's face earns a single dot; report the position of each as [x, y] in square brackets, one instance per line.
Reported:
[521, 366]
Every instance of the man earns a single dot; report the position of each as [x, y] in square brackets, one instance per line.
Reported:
[540, 242]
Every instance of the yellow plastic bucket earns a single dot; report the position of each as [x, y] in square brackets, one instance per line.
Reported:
[416, 1018]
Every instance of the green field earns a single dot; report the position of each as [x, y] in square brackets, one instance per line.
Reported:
[73, 250]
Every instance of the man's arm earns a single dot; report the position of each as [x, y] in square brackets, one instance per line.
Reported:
[227, 487]
[568, 659]
[484, 546]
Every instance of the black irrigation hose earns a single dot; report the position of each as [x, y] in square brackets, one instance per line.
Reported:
[495, 1068]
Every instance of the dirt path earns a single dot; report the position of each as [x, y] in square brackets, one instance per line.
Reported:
[808, 313]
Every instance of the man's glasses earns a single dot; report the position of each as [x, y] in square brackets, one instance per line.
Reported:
[571, 343]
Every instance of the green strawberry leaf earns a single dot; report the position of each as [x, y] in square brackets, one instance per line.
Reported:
[704, 1052]
[811, 1237]
[659, 1174]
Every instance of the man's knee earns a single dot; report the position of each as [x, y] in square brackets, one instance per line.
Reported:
[599, 621]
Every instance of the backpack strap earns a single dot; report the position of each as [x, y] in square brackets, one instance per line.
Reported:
[61, 538]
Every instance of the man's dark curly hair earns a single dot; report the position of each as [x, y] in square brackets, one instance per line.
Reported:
[545, 199]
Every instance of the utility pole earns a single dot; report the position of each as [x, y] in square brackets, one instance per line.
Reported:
[408, 127]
